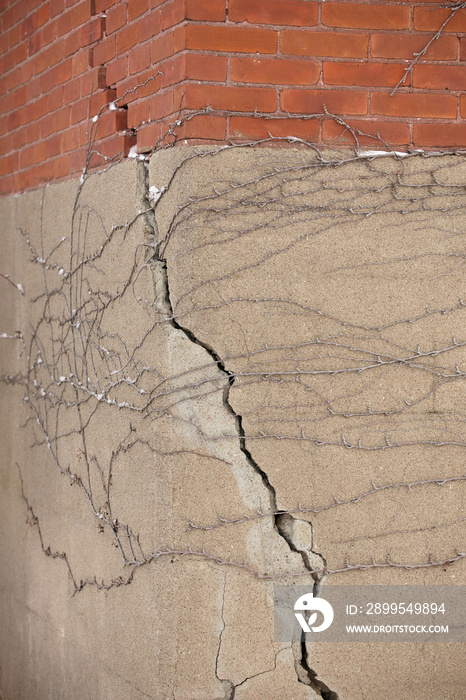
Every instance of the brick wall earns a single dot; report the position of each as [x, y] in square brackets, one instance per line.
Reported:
[249, 60]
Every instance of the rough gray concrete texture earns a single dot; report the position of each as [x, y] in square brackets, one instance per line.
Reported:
[206, 340]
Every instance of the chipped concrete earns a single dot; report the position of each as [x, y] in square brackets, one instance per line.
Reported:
[257, 381]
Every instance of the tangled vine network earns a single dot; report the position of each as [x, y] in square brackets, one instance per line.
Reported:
[322, 292]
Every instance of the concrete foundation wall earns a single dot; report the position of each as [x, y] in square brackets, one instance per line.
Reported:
[197, 343]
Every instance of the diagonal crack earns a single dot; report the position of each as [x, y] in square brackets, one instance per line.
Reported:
[288, 527]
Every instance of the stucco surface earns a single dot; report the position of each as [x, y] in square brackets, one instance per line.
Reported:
[227, 334]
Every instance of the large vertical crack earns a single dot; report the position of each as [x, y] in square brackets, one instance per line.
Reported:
[292, 530]
[298, 534]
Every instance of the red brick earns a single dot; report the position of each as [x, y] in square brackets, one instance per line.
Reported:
[50, 32]
[414, 105]
[138, 113]
[363, 74]
[53, 100]
[313, 101]
[172, 13]
[41, 173]
[21, 181]
[21, 75]
[39, 152]
[8, 166]
[32, 4]
[162, 105]
[41, 16]
[72, 91]
[11, 80]
[392, 133]
[103, 5]
[148, 137]
[11, 15]
[57, 121]
[14, 35]
[240, 99]
[440, 77]
[75, 17]
[72, 138]
[428, 20]
[32, 132]
[407, 45]
[61, 167]
[13, 120]
[19, 97]
[116, 18]
[148, 27]
[137, 8]
[41, 106]
[127, 90]
[143, 85]
[101, 98]
[199, 67]
[110, 123]
[5, 106]
[19, 139]
[58, 75]
[194, 67]
[463, 106]
[77, 159]
[291, 12]
[15, 56]
[302, 43]
[71, 44]
[112, 148]
[207, 10]
[8, 184]
[274, 71]
[35, 20]
[6, 144]
[26, 28]
[162, 47]
[127, 38]
[94, 79]
[254, 128]
[463, 48]
[104, 51]
[202, 127]
[26, 157]
[81, 62]
[3, 43]
[57, 7]
[357, 16]
[440, 135]
[33, 89]
[174, 70]
[234, 39]
[48, 58]
[93, 31]
[139, 59]
[53, 146]
[116, 71]
[79, 111]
